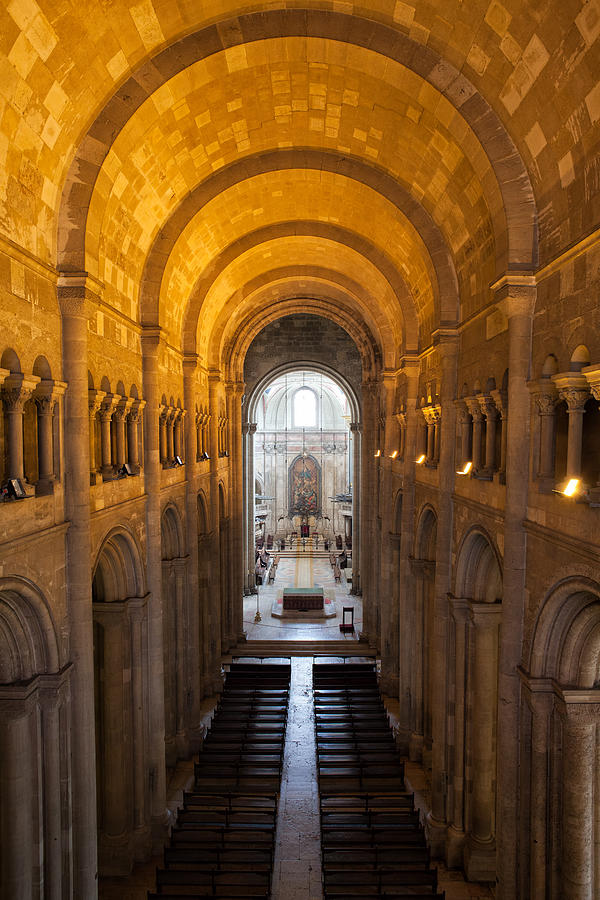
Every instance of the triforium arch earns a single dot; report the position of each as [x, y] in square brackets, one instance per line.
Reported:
[559, 753]
[473, 641]
[35, 800]
[121, 667]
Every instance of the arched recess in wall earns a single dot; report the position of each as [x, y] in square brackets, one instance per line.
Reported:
[208, 644]
[560, 755]
[473, 640]
[423, 568]
[175, 629]
[35, 802]
[120, 681]
[225, 598]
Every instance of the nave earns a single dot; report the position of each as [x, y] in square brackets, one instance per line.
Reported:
[298, 793]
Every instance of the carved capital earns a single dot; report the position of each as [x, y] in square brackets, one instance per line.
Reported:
[107, 407]
[136, 409]
[46, 394]
[474, 407]
[575, 398]
[500, 398]
[17, 390]
[488, 406]
[95, 399]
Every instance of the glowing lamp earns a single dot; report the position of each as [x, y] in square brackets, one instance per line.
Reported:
[421, 459]
[378, 453]
[571, 487]
[466, 469]
[394, 454]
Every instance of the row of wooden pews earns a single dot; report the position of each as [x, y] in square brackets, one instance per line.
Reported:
[224, 839]
[372, 842]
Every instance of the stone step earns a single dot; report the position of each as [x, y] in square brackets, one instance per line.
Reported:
[303, 648]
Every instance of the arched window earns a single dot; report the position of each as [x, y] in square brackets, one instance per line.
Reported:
[305, 408]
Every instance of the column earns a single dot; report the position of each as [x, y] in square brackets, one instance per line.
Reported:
[574, 390]
[501, 400]
[106, 413]
[477, 417]
[249, 432]
[133, 450]
[119, 417]
[163, 415]
[77, 299]
[171, 416]
[464, 421]
[488, 408]
[151, 340]
[516, 296]
[214, 587]
[16, 391]
[17, 782]
[580, 715]
[370, 494]
[136, 614]
[447, 341]
[480, 849]
[430, 439]
[387, 574]
[116, 796]
[535, 835]
[437, 440]
[46, 397]
[545, 397]
[455, 834]
[235, 394]
[355, 434]
[95, 399]
[592, 376]
[193, 637]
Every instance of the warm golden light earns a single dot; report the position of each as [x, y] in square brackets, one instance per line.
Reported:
[571, 487]
[394, 454]
[378, 453]
[421, 459]
[467, 468]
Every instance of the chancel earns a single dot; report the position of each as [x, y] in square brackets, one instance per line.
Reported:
[299, 300]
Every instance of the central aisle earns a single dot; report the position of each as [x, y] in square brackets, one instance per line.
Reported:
[297, 868]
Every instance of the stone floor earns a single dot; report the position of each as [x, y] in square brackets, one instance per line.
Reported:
[297, 871]
[288, 629]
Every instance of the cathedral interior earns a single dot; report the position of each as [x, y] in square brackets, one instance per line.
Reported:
[384, 218]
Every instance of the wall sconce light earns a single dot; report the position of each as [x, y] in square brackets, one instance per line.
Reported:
[377, 453]
[571, 487]
[466, 469]
[394, 454]
[420, 459]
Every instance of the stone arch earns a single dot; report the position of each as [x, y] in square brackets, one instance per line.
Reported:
[28, 639]
[559, 753]
[118, 571]
[479, 568]
[171, 533]
[425, 538]
[175, 619]
[509, 168]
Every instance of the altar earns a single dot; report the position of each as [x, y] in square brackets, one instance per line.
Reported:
[303, 603]
[303, 598]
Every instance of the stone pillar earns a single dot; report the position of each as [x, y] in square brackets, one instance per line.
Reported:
[387, 574]
[193, 638]
[95, 399]
[592, 376]
[119, 416]
[406, 592]
[370, 495]
[573, 389]
[477, 417]
[464, 419]
[137, 610]
[355, 432]
[516, 297]
[106, 413]
[501, 400]
[545, 396]
[171, 416]
[480, 849]
[163, 414]
[250, 431]
[46, 397]
[16, 391]
[19, 875]
[133, 449]
[75, 298]
[455, 834]
[488, 408]
[151, 339]
[580, 715]
[447, 341]
[238, 562]
[215, 613]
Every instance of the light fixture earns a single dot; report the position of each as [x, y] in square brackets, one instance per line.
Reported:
[420, 459]
[466, 468]
[394, 454]
[377, 453]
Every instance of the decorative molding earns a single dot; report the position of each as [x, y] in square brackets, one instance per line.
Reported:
[585, 549]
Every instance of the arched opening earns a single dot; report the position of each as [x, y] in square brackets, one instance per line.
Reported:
[35, 799]
[560, 755]
[473, 639]
[301, 526]
[121, 703]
